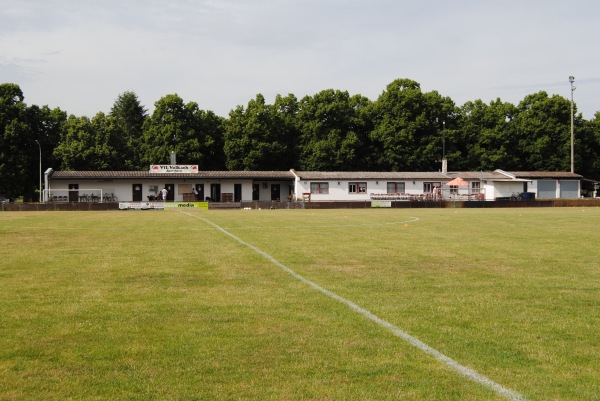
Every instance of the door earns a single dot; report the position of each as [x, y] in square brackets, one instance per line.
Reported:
[275, 192]
[215, 192]
[73, 192]
[136, 192]
[255, 192]
[569, 189]
[546, 189]
[171, 193]
[200, 189]
[237, 192]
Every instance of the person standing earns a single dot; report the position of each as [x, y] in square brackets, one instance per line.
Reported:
[164, 193]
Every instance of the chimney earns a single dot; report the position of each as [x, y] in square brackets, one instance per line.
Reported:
[444, 166]
[173, 158]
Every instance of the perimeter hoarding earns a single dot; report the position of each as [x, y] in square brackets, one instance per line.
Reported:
[184, 205]
[162, 205]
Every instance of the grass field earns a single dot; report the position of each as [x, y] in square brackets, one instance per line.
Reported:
[198, 305]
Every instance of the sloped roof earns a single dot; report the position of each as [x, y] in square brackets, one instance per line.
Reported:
[201, 175]
[545, 174]
[497, 175]
[477, 175]
[370, 175]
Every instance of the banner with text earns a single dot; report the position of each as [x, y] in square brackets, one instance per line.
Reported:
[180, 205]
[174, 168]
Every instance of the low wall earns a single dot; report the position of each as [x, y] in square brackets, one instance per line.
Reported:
[59, 206]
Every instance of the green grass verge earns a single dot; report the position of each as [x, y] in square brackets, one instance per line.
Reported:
[159, 305]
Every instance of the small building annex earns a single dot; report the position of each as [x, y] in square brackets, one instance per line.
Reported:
[182, 182]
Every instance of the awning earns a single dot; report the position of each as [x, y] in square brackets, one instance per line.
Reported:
[458, 182]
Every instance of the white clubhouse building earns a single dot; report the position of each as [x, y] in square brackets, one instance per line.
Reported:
[182, 181]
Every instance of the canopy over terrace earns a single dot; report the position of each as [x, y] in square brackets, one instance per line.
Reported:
[458, 182]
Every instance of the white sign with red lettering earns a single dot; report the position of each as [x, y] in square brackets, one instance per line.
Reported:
[174, 168]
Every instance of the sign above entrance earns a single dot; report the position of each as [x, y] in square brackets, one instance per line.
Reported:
[174, 168]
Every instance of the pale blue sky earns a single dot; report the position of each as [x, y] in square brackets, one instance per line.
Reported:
[79, 55]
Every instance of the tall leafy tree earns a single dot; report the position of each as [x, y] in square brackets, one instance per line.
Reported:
[587, 147]
[256, 137]
[211, 140]
[542, 125]
[24, 132]
[406, 134]
[95, 144]
[285, 110]
[130, 115]
[170, 128]
[334, 133]
[46, 128]
[487, 132]
[196, 136]
[15, 158]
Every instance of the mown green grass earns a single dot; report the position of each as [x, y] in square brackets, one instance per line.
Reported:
[162, 306]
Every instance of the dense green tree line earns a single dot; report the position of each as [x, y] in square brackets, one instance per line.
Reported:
[404, 129]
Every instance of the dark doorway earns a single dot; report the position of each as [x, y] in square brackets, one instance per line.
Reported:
[275, 192]
[237, 192]
[215, 192]
[171, 193]
[73, 192]
[136, 191]
[200, 189]
[255, 192]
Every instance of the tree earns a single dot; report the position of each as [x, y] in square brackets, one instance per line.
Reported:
[211, 138]
[20, 127]
[333, 132]
[130, 116]
[587, 147]
[406, 127]
[195, 136]
[169, 129]
[95, 144]
[542, 126]
[487, 133]
[256, 138]
[45, 125]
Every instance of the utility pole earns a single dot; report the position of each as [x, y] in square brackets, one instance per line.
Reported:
[572, 80]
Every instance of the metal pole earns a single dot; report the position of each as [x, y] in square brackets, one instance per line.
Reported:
[444, 140]
[40, 146]
[572, 80]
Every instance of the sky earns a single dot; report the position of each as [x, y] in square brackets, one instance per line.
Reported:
[80, 55]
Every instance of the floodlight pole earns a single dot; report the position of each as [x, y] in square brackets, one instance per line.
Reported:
[572, 80]
[40, 146]
[444, 139]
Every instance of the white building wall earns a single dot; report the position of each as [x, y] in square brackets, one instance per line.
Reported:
[339, 190]
[504, 189]
[123, 188]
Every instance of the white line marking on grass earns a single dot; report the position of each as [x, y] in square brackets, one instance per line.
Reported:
[454, 365]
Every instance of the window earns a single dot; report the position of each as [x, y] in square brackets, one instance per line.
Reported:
[357, 187]
[395, 187]
[428, 186]
[475, 187]
[453, 189]
[319, 187]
